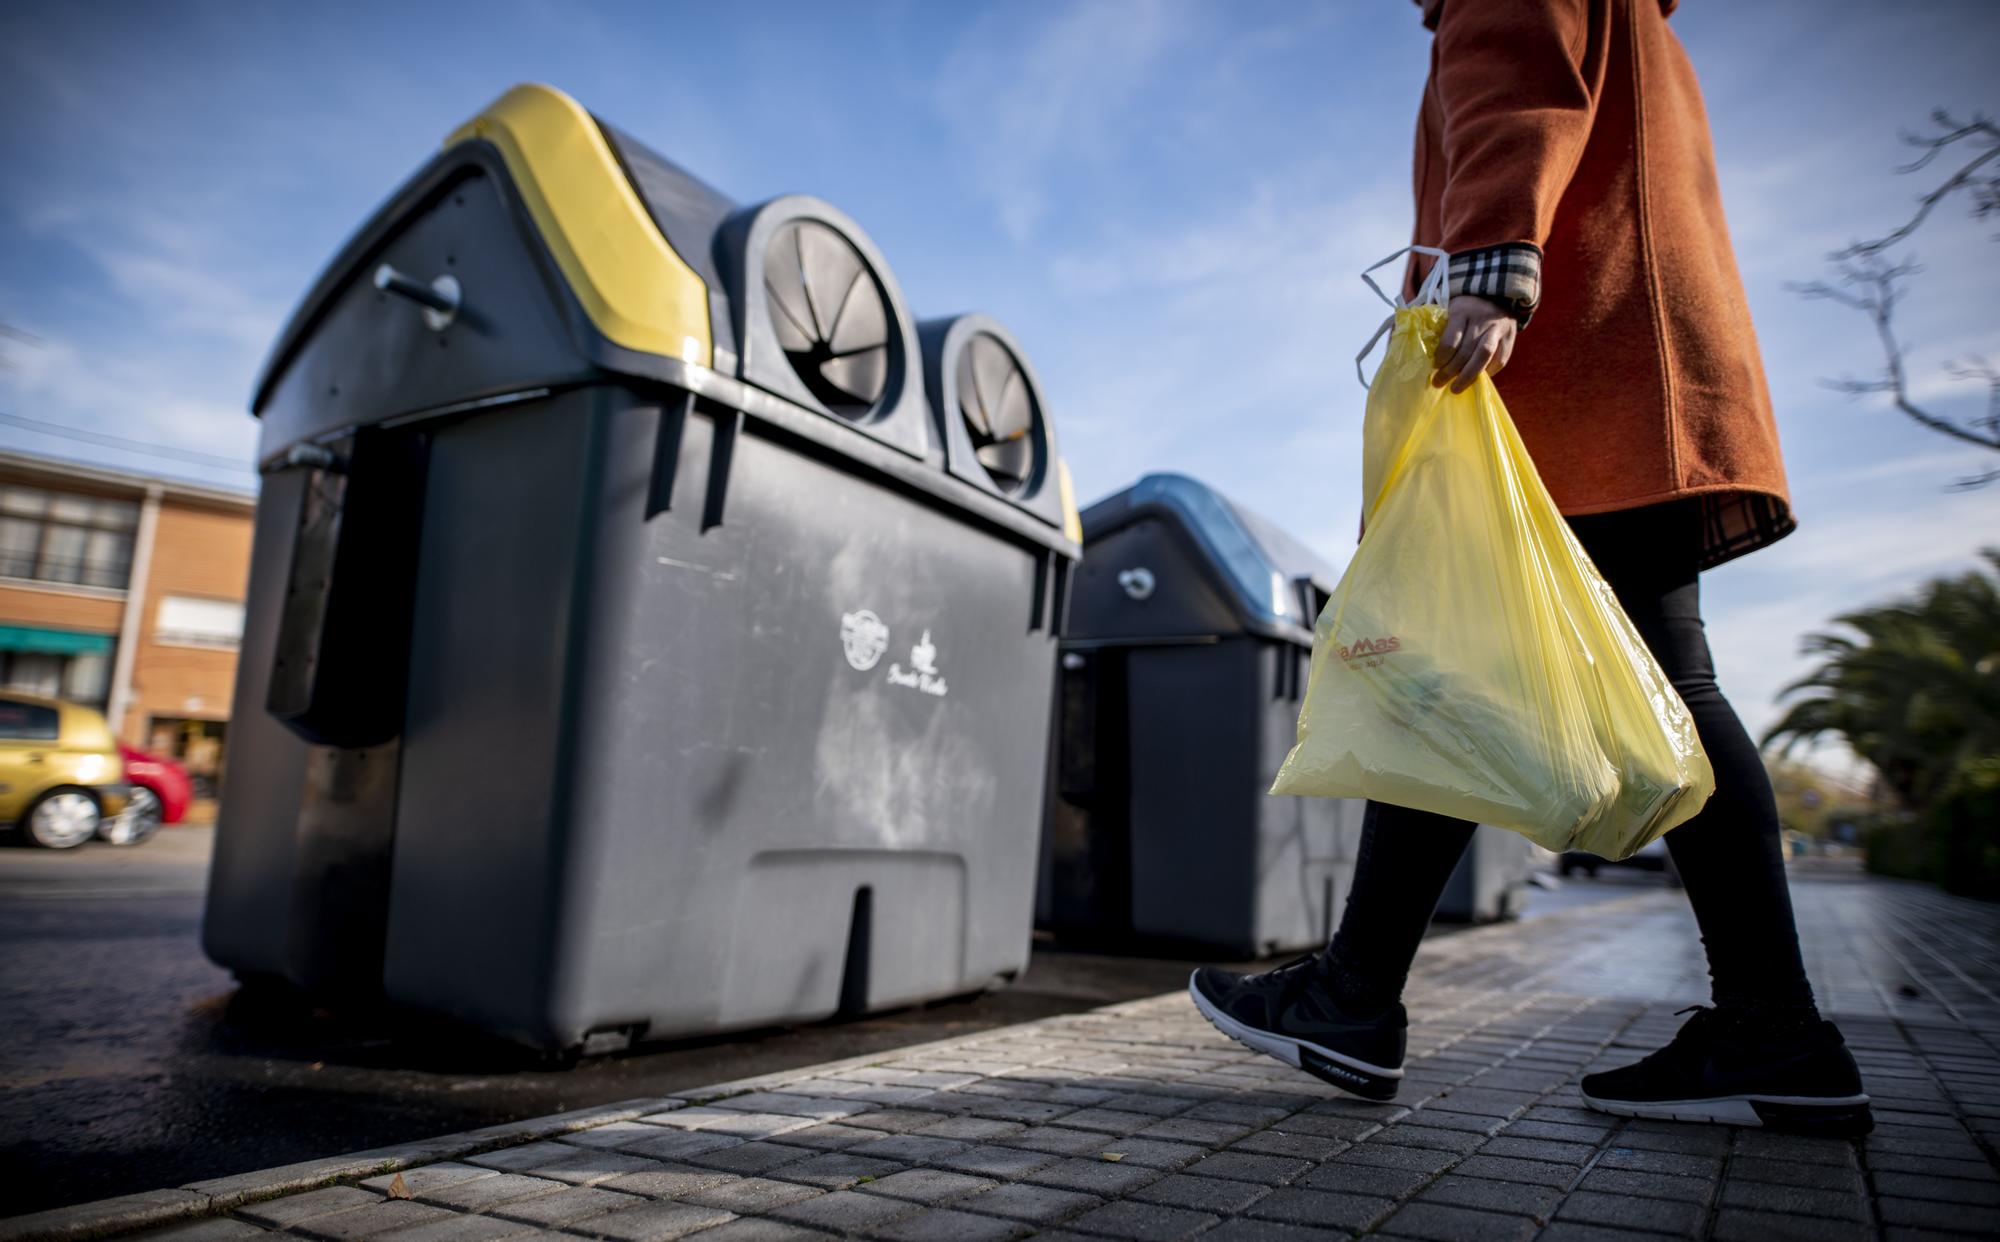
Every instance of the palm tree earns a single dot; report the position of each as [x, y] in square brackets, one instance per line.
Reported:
[1914, 690]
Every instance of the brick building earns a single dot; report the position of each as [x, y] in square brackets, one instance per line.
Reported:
[125, 592]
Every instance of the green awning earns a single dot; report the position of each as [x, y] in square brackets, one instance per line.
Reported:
[61, 642]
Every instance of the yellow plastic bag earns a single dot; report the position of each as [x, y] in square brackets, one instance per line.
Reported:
[1472, 661]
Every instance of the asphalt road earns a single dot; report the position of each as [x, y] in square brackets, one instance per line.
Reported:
[129, 1062]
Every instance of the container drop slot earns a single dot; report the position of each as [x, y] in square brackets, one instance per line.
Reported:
[341, 663]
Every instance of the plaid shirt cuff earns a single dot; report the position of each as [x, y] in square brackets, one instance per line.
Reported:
[1510, 274]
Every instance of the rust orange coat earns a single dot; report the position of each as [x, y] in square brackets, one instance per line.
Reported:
[1570, 135]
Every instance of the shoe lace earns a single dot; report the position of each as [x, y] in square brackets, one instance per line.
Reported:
[1291, 978]
[1693, 1037]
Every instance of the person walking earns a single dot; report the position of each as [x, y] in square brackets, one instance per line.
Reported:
[1563, 160]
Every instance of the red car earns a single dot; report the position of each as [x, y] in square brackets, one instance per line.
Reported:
[161, 792]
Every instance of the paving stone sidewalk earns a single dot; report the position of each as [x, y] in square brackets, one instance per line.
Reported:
[1139, 1121]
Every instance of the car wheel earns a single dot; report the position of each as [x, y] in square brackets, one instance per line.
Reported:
[140, 819]
[62, 819]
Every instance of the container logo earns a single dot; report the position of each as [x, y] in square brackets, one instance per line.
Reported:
[864, 638]
[922, 675]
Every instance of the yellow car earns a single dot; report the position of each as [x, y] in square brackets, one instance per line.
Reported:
[61, 777]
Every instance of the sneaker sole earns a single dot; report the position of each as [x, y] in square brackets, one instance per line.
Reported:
[1370, 1082]
[1841, 1116]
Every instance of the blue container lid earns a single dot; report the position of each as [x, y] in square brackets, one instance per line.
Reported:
[1263, 563]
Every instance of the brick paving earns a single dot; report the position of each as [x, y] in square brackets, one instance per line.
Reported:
[1140, 1122]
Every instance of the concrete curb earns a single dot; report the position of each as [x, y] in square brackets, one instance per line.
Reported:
[743, 1086]
[217, 1195]
[107, 1217]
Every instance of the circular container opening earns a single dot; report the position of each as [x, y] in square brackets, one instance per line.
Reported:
[1000, 413]
[831, 317]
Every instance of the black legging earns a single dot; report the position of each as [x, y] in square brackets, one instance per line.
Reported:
[1729, 855]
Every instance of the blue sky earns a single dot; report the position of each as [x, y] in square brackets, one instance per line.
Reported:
[1167, 203]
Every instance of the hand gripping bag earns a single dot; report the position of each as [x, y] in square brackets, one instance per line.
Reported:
[1472, 662]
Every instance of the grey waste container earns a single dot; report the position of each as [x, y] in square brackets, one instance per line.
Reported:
[1491, 879]
[636, 644]
[1184, 660]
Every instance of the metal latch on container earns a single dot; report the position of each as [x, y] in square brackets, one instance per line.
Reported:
[313, 457]
[1137, 581]
[440, 298]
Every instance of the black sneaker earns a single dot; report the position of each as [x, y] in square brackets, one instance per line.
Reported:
[1736, 1072]
[1286, 1013]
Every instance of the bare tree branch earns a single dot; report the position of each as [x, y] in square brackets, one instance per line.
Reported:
[1936, 143]
[1869, 283]
[1979, 131]
[1881, 304]
[1979, 368]
[1855, 387]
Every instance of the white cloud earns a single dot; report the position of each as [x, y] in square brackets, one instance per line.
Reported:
[1946, 464]
[200, 297]
[153, 395]
[161, 348]
[1022, 97]
[1237, 365]
[1867, 538]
